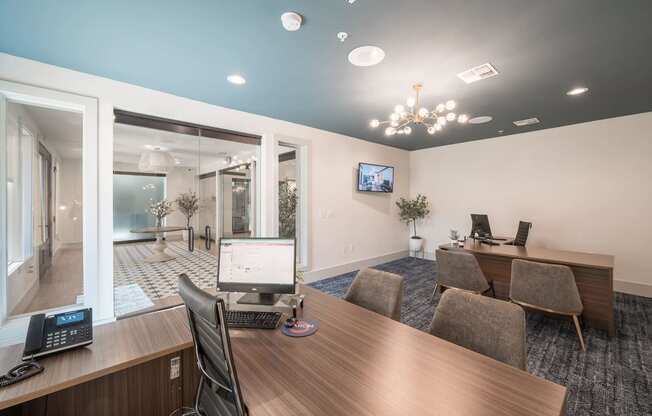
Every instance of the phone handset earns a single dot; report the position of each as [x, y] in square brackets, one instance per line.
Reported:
[35, 334]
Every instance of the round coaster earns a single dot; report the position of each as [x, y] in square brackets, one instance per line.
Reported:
[302, 328]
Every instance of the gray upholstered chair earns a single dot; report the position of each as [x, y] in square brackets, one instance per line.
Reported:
[460, 270]
[491, 327]
[547, 287]
[378, 291]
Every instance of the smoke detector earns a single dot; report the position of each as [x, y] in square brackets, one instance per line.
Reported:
[291, 21]
[527, 122]
[478, 73]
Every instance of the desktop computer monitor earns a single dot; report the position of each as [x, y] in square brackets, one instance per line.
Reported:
[480, 224]
[260, 267]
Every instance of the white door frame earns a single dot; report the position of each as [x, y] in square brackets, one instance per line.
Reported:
[88, 108]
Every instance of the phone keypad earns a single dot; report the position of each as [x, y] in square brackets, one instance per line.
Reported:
[65, 337]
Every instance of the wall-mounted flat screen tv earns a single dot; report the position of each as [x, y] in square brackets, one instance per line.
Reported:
[375, 178]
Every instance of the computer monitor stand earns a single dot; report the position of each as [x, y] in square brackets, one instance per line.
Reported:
[259, 299]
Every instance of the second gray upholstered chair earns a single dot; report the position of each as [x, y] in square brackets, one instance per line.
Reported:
[547, 287]
[460, 270]
[491, 327]
[378, 291]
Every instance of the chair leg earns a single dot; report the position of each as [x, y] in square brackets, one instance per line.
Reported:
[434, 292]
[493, 290]
[579, 331]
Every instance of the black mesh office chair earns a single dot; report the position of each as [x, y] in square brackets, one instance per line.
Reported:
[522, 233]
[218, 392]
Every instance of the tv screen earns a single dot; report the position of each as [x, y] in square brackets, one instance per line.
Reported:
[375, 178]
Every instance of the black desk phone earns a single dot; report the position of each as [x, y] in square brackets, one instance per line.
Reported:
[62, 331]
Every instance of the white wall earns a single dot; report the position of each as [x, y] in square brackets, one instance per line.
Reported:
[345, 226]
[585, 187]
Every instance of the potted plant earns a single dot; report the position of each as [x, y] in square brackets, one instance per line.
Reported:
[160, 210]
[188, 204]
[410, 211]
[454, 236]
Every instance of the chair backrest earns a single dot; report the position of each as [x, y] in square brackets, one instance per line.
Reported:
[546, 286]
[460, 270]
[378, 291]
[522, 233]
[219, 390]
[489, 326]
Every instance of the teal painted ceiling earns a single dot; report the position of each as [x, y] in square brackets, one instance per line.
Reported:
[187, 48]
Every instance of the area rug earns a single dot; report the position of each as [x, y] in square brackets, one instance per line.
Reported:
[614, 375]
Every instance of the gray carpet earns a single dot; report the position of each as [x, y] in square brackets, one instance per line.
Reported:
[613, 377]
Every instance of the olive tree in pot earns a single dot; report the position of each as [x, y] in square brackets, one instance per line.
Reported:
[411, 211]
[188, 205]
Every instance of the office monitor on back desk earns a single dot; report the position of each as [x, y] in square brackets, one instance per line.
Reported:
[261, 267]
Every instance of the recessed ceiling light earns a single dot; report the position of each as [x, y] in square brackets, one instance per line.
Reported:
[480, 119]
[366, 56]
[577, 91]
[236, 79]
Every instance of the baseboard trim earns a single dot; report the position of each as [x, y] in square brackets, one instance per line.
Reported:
[633, 288]
[315, 275]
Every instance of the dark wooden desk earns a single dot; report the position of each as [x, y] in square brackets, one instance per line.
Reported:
[358, 363]
[593, 275]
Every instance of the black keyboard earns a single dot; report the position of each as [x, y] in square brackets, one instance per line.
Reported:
[251, 319]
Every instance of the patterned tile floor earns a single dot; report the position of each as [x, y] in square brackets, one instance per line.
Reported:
[157, 280]
[612, 378]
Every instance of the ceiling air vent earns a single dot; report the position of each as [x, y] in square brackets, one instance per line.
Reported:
[527, 122]
[478, 73]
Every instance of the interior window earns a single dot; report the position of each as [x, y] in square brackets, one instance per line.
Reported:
[44, 224]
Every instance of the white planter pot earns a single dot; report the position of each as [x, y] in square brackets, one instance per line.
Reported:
[416, 244]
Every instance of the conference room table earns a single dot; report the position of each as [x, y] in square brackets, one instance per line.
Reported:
[358, 363]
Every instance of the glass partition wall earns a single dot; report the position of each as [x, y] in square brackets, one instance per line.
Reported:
[44, 238]
[171, 204]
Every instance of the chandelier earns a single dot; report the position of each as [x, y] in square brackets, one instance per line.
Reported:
[433, 120]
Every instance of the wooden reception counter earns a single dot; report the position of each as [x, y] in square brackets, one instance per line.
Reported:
[593, 274]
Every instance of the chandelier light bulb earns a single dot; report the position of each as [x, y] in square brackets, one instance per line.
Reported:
[431, 130]
[374, 123]
[400, 131]
[450, 104]
[441, 108]
[437, 127]
[441, 121]
[390, 131]
[394, 123]
[399, 109]
[407, 130]
[462, 118]
[394, 117]
[410, 102]
[450, 117]
[423, 112]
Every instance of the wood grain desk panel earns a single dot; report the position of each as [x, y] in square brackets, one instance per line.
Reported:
[357, 363]
[117, 346]
[593, 275]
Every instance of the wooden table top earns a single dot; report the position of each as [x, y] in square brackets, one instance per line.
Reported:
[154, 230]
[358, 363]
[600, 261]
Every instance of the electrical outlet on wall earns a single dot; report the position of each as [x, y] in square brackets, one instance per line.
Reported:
[175, 367]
